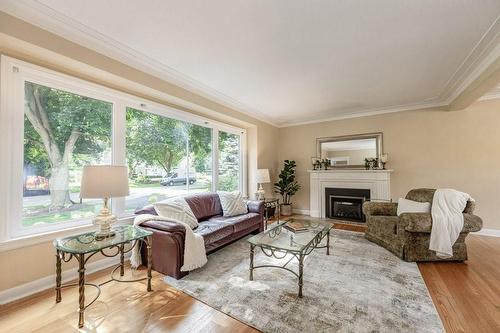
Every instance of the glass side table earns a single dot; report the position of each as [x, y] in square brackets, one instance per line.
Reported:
[271, 203]
[85, 246]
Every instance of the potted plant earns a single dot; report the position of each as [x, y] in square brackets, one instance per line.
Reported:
[287, 186]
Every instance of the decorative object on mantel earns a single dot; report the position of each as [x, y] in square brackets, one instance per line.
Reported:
[104, 182]
[287, 186]
[316, 163]
[383, 160]
[371, 163]
[262, 178]
[325, 163]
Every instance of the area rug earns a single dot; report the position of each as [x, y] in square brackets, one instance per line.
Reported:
[359, 287]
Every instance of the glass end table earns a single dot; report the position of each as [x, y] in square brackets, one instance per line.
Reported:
[271, 203]
[85, 246]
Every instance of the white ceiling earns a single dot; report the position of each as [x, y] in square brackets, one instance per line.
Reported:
[290, 61]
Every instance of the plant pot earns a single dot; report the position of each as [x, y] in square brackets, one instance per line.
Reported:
[286, 209]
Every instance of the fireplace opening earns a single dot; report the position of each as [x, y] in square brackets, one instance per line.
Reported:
[346, 203]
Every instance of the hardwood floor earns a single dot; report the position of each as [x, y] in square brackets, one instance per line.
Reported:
[122, 307]
[466, 295]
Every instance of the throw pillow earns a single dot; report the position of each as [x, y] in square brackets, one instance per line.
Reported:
[178, 209]
[232, 203]
[410, 206]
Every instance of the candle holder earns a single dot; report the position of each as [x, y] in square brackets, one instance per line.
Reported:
[383, 160]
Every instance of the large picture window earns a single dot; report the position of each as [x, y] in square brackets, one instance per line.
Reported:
[52, 125]
[62, 133]
[229, 161]
[165, 157]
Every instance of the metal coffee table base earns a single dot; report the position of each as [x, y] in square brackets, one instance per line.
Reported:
[82, 260]
[280, 254]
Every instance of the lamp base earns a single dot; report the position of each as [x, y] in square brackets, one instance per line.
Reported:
[261, 194]
[104, 221]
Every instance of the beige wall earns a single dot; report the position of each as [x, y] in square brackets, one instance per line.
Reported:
[457, 149]
[23, 41]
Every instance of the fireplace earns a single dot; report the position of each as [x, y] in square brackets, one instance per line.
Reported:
[346, 203]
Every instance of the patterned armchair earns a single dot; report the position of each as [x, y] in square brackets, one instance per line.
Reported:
[408, 235]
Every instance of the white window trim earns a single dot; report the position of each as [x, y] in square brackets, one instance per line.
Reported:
[14, 71]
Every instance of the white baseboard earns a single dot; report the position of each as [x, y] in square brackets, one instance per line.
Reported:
[30, 288]
[487, 232]
[301, 211]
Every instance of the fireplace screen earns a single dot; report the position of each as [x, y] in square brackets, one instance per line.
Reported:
[346, 208]
[346, 204]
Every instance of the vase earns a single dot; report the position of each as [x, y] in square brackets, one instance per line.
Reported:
[286, 209]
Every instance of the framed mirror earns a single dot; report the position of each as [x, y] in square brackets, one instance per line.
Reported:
[350, 151]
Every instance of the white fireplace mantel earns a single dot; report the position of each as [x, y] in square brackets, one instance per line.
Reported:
[377, 181]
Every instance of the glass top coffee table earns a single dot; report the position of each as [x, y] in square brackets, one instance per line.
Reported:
[297, 237]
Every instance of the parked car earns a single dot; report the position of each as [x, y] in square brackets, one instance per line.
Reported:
[175, 179]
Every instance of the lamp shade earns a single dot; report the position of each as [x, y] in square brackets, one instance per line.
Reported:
[104, 181]
[263, 176]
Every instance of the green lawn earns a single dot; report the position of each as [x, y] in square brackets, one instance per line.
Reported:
[135, 184]
[86, 211]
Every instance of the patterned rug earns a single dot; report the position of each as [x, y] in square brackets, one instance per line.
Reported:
[359, 287]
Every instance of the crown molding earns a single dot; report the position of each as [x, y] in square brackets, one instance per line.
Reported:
[369, 112]
[482, 55]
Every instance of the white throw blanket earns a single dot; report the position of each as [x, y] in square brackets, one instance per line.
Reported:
[195, 255]
[447, 220]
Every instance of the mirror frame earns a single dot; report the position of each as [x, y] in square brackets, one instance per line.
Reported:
[378, 136]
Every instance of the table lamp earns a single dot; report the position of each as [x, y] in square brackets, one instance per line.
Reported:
[104, 182]
[262, 177]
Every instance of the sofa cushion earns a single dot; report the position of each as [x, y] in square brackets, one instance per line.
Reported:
[214, 231]
[240, 222]
[422, 222]
[410, 206]
[232, 203]
[204, 205]
[416, 222]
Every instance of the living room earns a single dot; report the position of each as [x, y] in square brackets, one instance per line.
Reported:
[195, 147]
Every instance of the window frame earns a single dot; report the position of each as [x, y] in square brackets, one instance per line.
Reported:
[13, 75]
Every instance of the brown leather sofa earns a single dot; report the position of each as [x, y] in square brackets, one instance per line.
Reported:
[217, 231]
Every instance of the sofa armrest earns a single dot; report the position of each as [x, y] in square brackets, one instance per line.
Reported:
[166, 226]
[168, 247]
[470, 207]
[256, 206]
[380, 208]
[472, 223]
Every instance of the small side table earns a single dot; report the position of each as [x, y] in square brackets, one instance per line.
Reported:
[271, 203]
[84, 246]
